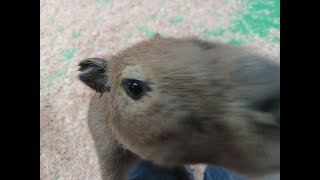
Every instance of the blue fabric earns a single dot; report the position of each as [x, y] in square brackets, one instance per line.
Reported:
[216, 173]
[143, 170]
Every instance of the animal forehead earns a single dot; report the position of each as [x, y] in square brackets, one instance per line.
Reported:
[170, 50]
[170, 59]
[134, 72]
[146, 72]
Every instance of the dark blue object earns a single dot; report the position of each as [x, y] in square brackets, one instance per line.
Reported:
[143, 170]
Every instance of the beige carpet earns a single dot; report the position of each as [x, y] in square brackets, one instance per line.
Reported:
[72, 30]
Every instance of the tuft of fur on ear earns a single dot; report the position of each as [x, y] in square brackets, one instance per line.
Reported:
[93, 74]
[157, 36]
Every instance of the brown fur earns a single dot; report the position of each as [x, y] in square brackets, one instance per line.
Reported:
[203, 107]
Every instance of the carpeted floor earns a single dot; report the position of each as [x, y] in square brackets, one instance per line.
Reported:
[72, 30]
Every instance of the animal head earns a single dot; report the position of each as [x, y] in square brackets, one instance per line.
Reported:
[210, 102]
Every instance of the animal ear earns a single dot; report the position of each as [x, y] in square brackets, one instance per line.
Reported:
[157, 36]
[93, 74]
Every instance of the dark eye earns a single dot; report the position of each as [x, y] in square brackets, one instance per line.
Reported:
[135, 88]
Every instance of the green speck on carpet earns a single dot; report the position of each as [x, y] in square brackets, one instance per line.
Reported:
[275, 39]
[57, 76]
[152, 17]
[76, 35]
[41, 87]
[175, 20]
[236, 42]
[146, 32]
[105, 1]
[61, 29]
[68, 55]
